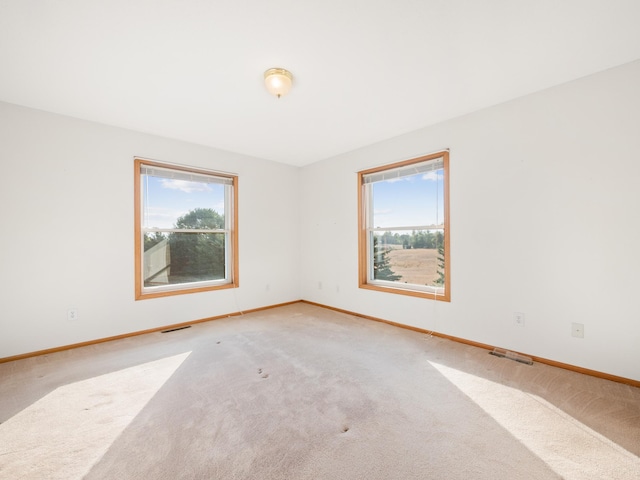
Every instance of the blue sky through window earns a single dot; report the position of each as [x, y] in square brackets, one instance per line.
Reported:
[166, 199]
[409, 201]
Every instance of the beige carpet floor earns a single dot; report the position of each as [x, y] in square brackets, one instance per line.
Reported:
[301, 392]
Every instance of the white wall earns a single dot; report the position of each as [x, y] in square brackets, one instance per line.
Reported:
[545, 220]
[66, 208]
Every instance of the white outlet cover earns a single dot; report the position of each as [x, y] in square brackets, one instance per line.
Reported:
[577, 330]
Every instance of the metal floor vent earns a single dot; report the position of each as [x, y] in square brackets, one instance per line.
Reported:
[175, 329]
[500, 352]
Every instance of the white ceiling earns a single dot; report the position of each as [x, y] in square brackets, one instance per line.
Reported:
[364, 70]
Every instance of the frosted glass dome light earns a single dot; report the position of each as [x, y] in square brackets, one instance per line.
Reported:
[278, 81]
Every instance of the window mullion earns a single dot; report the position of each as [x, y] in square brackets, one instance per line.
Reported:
[408, 228]
[185, 230]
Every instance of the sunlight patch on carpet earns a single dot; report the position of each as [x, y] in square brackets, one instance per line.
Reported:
[62, 435]
[569, 447]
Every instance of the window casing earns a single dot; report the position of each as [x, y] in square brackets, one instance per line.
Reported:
[186, 235]
[403, 233]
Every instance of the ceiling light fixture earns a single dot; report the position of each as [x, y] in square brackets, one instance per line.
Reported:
[278, 81]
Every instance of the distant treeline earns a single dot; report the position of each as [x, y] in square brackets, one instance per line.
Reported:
[415, 239]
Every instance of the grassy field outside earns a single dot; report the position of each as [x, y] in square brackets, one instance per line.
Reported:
[418, 266]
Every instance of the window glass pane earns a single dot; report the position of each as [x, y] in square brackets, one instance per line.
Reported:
[174, 258]
[411, 257]
[415, 200]
[171, 203]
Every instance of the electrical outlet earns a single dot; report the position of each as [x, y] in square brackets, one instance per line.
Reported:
[518, 319]
[577, 330]
[72, 314]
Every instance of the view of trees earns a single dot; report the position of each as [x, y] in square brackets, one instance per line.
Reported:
[382, 268]
[151, 239]
[201, 256]
[440, 271]
[194, 256]
[416, 239]
[198, 256]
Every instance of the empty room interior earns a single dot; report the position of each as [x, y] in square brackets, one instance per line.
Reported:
[320, 240]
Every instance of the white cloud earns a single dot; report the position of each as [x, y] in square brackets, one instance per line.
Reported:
[433, 176]
[185, 185]
[161, 217]
[382, 211]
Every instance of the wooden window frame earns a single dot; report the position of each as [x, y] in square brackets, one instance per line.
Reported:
[181, 289]
[363, 237]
